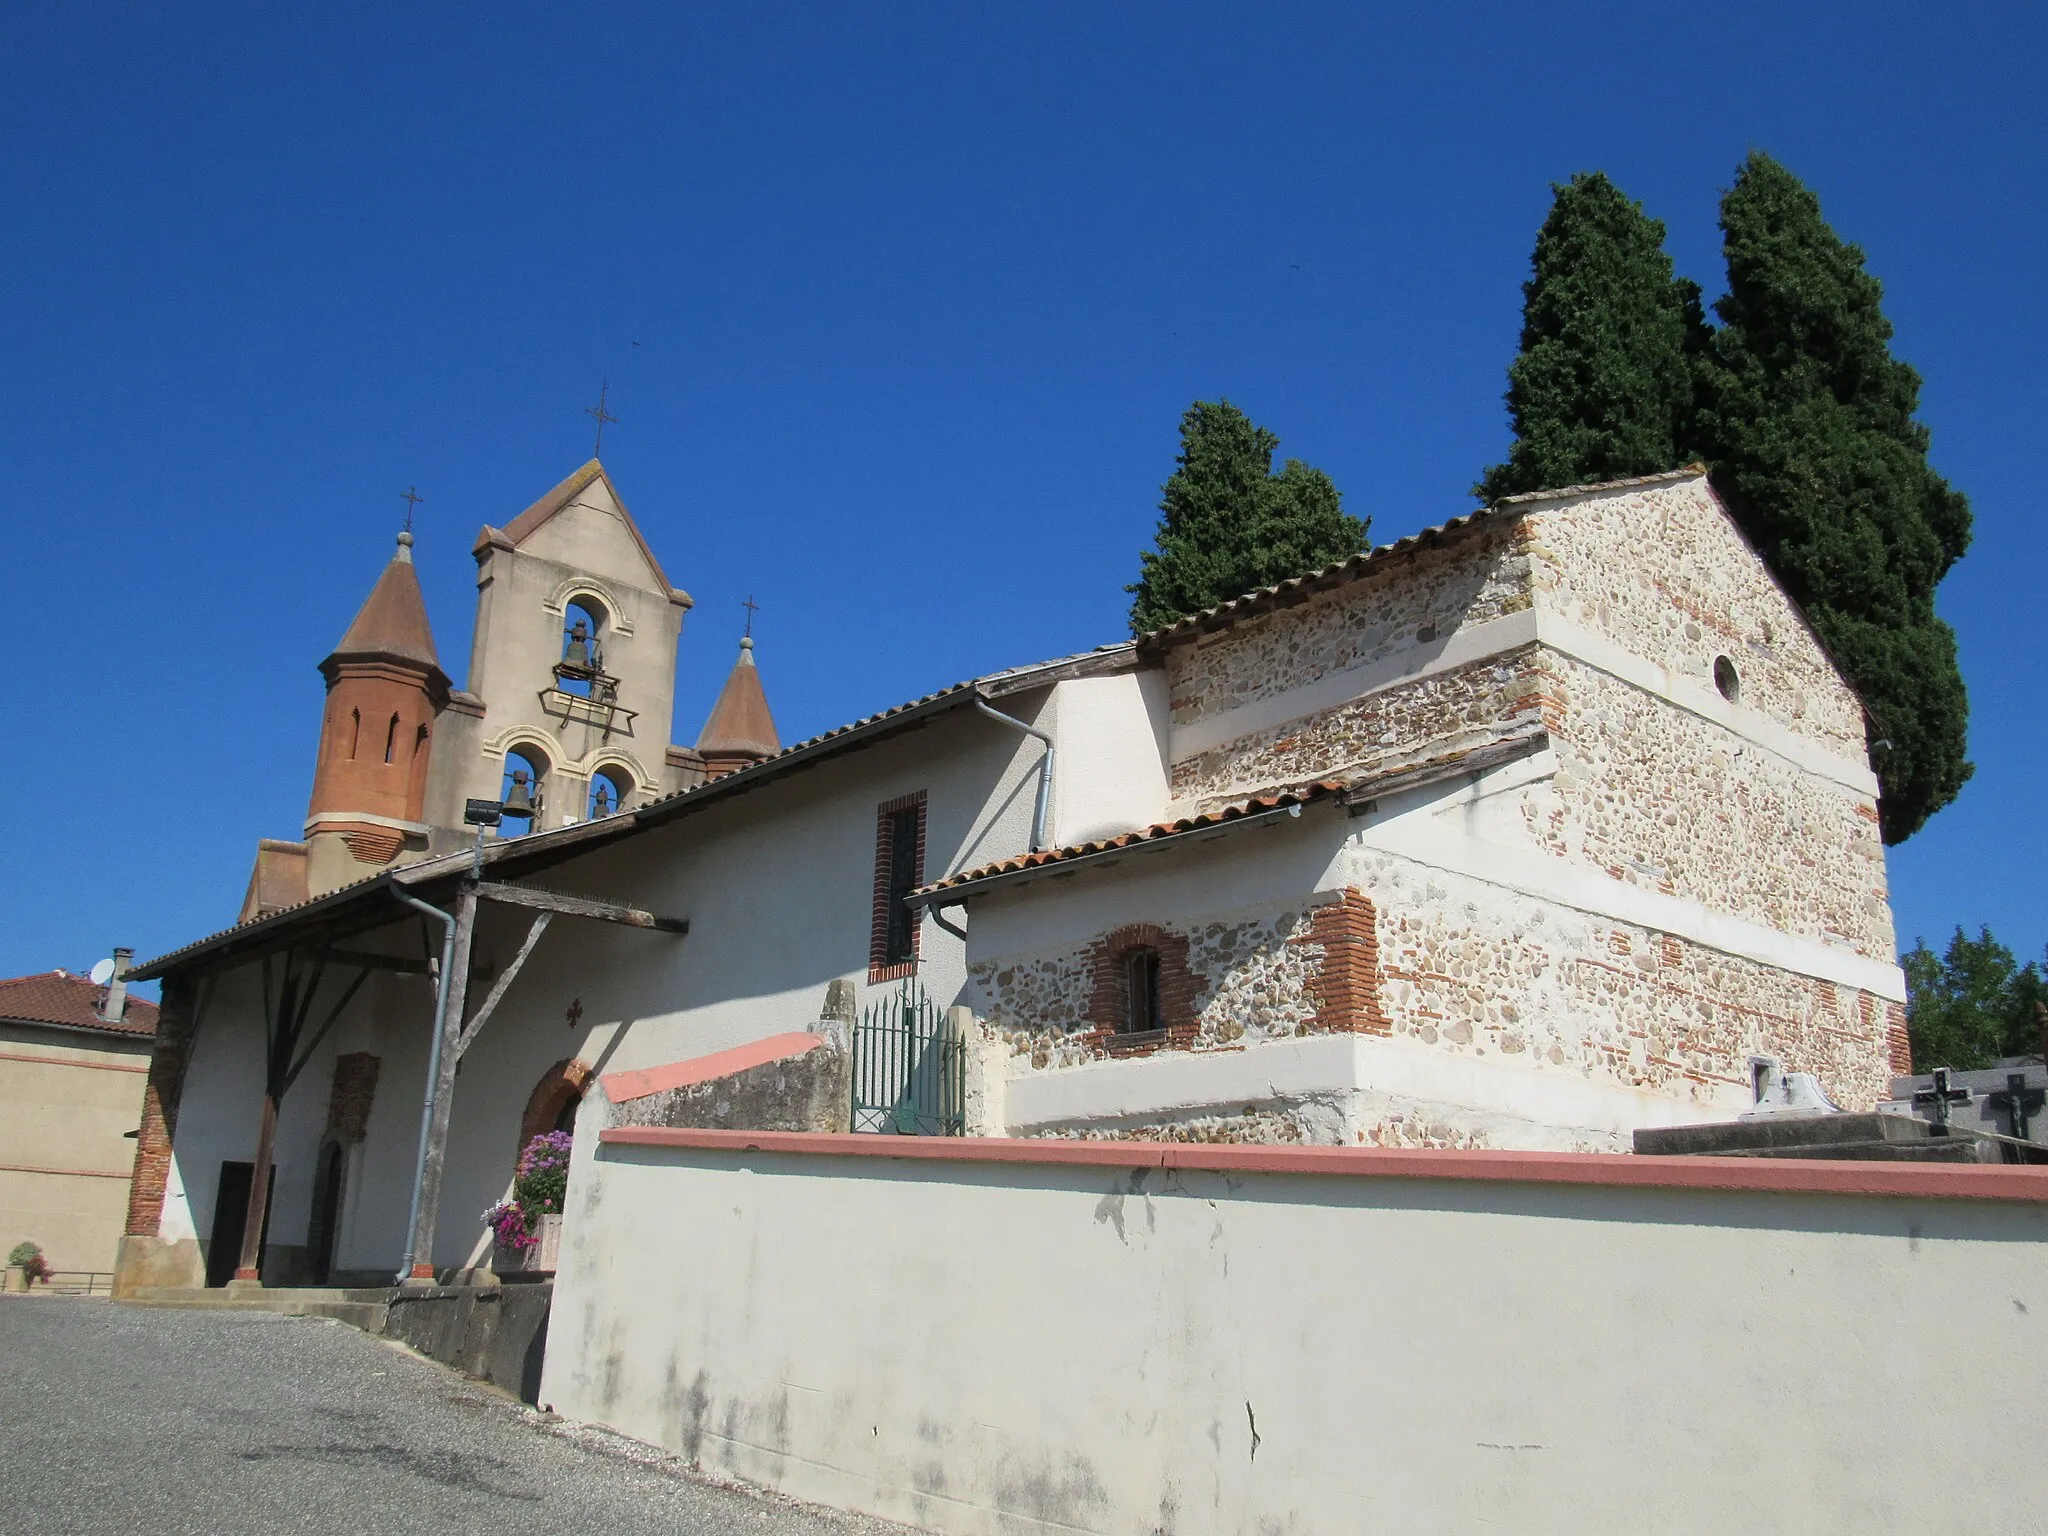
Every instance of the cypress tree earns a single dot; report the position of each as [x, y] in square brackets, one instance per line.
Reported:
[1228, 524]
[1807, 420]
[1602, 387]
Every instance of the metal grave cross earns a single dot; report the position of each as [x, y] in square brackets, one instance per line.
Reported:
[1938, 1098]
[2019, 1101]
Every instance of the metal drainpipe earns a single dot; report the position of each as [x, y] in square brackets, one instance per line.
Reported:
[1044, 770]
[419, 1167]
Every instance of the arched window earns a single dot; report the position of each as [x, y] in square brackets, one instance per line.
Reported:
[582, 646]
[1141, 991]
[391, 740]
[355, 730]
[524, 786]
[609, 788]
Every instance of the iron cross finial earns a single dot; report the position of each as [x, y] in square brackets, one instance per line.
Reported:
[601, 415]
[751, 606]
[411, 498]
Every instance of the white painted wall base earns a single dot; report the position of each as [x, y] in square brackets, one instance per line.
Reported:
[999, 1347]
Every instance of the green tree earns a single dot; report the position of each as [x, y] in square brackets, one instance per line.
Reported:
[1971, 1004]
[1807, 420]
[1228, 524]
[1602, 387]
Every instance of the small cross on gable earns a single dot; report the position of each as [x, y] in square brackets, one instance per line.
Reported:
[575, 1013]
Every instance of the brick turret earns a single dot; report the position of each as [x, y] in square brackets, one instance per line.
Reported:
[385, 689]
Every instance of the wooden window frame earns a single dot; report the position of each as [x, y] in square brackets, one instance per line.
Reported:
[881, 967]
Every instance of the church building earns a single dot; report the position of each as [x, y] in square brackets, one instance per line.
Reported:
[1539, 826]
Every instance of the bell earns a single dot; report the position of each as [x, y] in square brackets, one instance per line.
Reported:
[577, 652]
[601, 801]
[520, 801]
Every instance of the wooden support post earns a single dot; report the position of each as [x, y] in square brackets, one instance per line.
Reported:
[247, 1270]
[449, 1057]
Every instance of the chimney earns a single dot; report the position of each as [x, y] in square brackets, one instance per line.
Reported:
[116, 1003]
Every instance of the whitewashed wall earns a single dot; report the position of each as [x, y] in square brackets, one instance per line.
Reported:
[984, 1347]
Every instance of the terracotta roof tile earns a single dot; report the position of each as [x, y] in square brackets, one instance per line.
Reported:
[393, 618]
[1237, 810]
[740, 723]
[58, 997]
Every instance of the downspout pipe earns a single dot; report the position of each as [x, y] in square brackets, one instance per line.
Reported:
[1038, 816]
[419, 1167]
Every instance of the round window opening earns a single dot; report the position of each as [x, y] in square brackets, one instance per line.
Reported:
[1727, 679]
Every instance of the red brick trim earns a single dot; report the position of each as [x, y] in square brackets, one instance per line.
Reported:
[879, 968]
[1900, 1042]
[1180, 992]
[559, 1087]
[167, 1062]
[1346, 986]
[1772, 1175]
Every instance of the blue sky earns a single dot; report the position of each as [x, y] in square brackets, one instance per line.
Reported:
[900, 307]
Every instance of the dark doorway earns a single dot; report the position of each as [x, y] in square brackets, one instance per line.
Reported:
[327, 1211]
[230, 1212]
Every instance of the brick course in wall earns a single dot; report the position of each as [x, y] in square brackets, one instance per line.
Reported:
[1346, 985]
[168, 1060]
[349, 1100]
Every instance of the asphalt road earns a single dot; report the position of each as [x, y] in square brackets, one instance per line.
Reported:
[121, 1419]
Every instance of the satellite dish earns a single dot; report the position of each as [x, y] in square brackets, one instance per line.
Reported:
[102, 973]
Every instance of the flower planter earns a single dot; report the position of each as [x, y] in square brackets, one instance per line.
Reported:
[17, 1279]
[537, 1260]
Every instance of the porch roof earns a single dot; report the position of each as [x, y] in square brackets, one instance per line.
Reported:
[366, 903]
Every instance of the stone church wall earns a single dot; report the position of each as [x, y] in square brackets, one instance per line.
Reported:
[1481, 971]
[1563, 1028]
[1411, 722]
[1659, 797]
[1664, 574]
[1481, 573]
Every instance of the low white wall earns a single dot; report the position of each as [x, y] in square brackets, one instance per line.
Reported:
[997, 1345]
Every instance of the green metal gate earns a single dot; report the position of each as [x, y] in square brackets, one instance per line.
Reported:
[909, 1068]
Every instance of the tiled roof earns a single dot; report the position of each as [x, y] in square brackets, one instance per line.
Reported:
[58, 997]
[1237, 810]
[393, 618]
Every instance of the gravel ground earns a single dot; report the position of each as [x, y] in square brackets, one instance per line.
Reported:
[121, 1419]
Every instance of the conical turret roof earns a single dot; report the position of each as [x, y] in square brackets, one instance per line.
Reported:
[740, 725]
[392, 623]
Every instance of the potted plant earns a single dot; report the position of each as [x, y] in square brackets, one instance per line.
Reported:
[526, 1230]
[25, 1266]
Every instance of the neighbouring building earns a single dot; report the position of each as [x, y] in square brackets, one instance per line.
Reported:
[73, 1055]
[1542, 825]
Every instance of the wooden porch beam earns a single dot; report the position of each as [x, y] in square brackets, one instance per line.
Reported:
[483, 1014]
[400, 963]
[579, 906]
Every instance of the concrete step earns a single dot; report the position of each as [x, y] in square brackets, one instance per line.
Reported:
[364, 1309]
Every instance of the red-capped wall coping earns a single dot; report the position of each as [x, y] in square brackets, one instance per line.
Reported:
[1959, 1181]
[621, 1086]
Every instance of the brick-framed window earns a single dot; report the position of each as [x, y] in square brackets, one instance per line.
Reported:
[1143, 995]
[899, 870]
